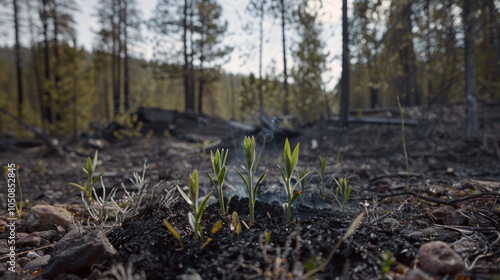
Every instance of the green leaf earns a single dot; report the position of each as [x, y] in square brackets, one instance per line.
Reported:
[97, 177]
[354, 225]
[202, 207]
[89, 165]
[295, 158]
[78, 186]
[222, 175]
[216, 163]
[211, 180]
[235, 219]
[194, 187]
[216, 227]
[192, 222]
[257, 185]
[174, 232]
[298, 182]
[295, 196]
[85, 171]
[283, 175]
[206, 243]
[243, 178]
[224, 155]
[184, 195]
[94, 163]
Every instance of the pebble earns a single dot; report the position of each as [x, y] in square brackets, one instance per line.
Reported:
[37, 264]
[439, 258]
[47, 217]
[32, 240]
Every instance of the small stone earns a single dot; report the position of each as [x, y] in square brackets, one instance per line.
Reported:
[32, 240]
[46, 217]
[32, 255]
[37, 264]
[190, 275]
[444, 215]
[437, 257]
[5, 274]
[22, 261]
[4, 249]
[49, 235]
[76, 252]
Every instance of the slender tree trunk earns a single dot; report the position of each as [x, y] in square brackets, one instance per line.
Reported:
[472, 132]
[429, 69]
[285, 75]
[19, 71]
[47, 104]
[57, 54]
[75, 103]
[119, 54]
[344, 98]
[261, 41]
[126, 100]
[192, 86]
[233, 99]
[106, 87]
[114, 61]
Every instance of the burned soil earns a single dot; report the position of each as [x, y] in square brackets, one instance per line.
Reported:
[451, 195]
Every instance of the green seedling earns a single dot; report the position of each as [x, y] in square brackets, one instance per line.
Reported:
[291, 160]
[302, 173]
[11, 173]
[343, 190]
[219, 167]
[350, 231]
[88, 187]
[267, 236]
[386, 264]
[322, 165]
[192, 200]
[235, 224]
[252, 164]
[174, 232]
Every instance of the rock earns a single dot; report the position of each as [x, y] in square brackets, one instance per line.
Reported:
[190, 275]
[447, 215]
[32, 255]
[75, 253]
[435, 232]
[4, 249]
[46, 217]
[417, 273]
[437, 257]
[22, 261]
[49, 235]
[32, 240]
[7, 275]
[37, 264]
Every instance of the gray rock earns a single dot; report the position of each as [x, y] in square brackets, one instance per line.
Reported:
[37, 264]
[76, 252]
[49, 235]
[5, 274]
[47, 217]
[22, 261]
[435, 232]
[190, 275]
[437, 257]
[32, 240]
[32, 255]
[4, 249]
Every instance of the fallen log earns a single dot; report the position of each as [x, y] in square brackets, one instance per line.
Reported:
[369, 120]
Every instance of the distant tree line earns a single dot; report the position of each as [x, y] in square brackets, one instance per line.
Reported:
[424, 51]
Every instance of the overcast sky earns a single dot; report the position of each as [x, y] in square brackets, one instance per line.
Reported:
[244, 58]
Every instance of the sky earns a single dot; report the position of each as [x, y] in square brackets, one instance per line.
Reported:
[244, 58]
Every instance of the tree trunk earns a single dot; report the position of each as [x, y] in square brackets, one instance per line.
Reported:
[261, 39]
[344, 98]
[185, 74]
[285, 75]
[114, 61]
[75, 103]
[18, 62]
[47, 104]
[119, 54]
[126, 103]
[472, 132]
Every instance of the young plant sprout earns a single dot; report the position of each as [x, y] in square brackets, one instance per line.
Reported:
[192, 200]
[87, 188]
[219, 166]
[174, 232]
[343, 190]
[291, 160]
[235, 224]
[322, 164]
[252, 164]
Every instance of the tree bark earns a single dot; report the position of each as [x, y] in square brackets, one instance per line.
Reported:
[261, 39]
[47, 104]
[472, 131]
[114, 61]
[285, 74]
[19, 71]
[126, 100]
[344, 98]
